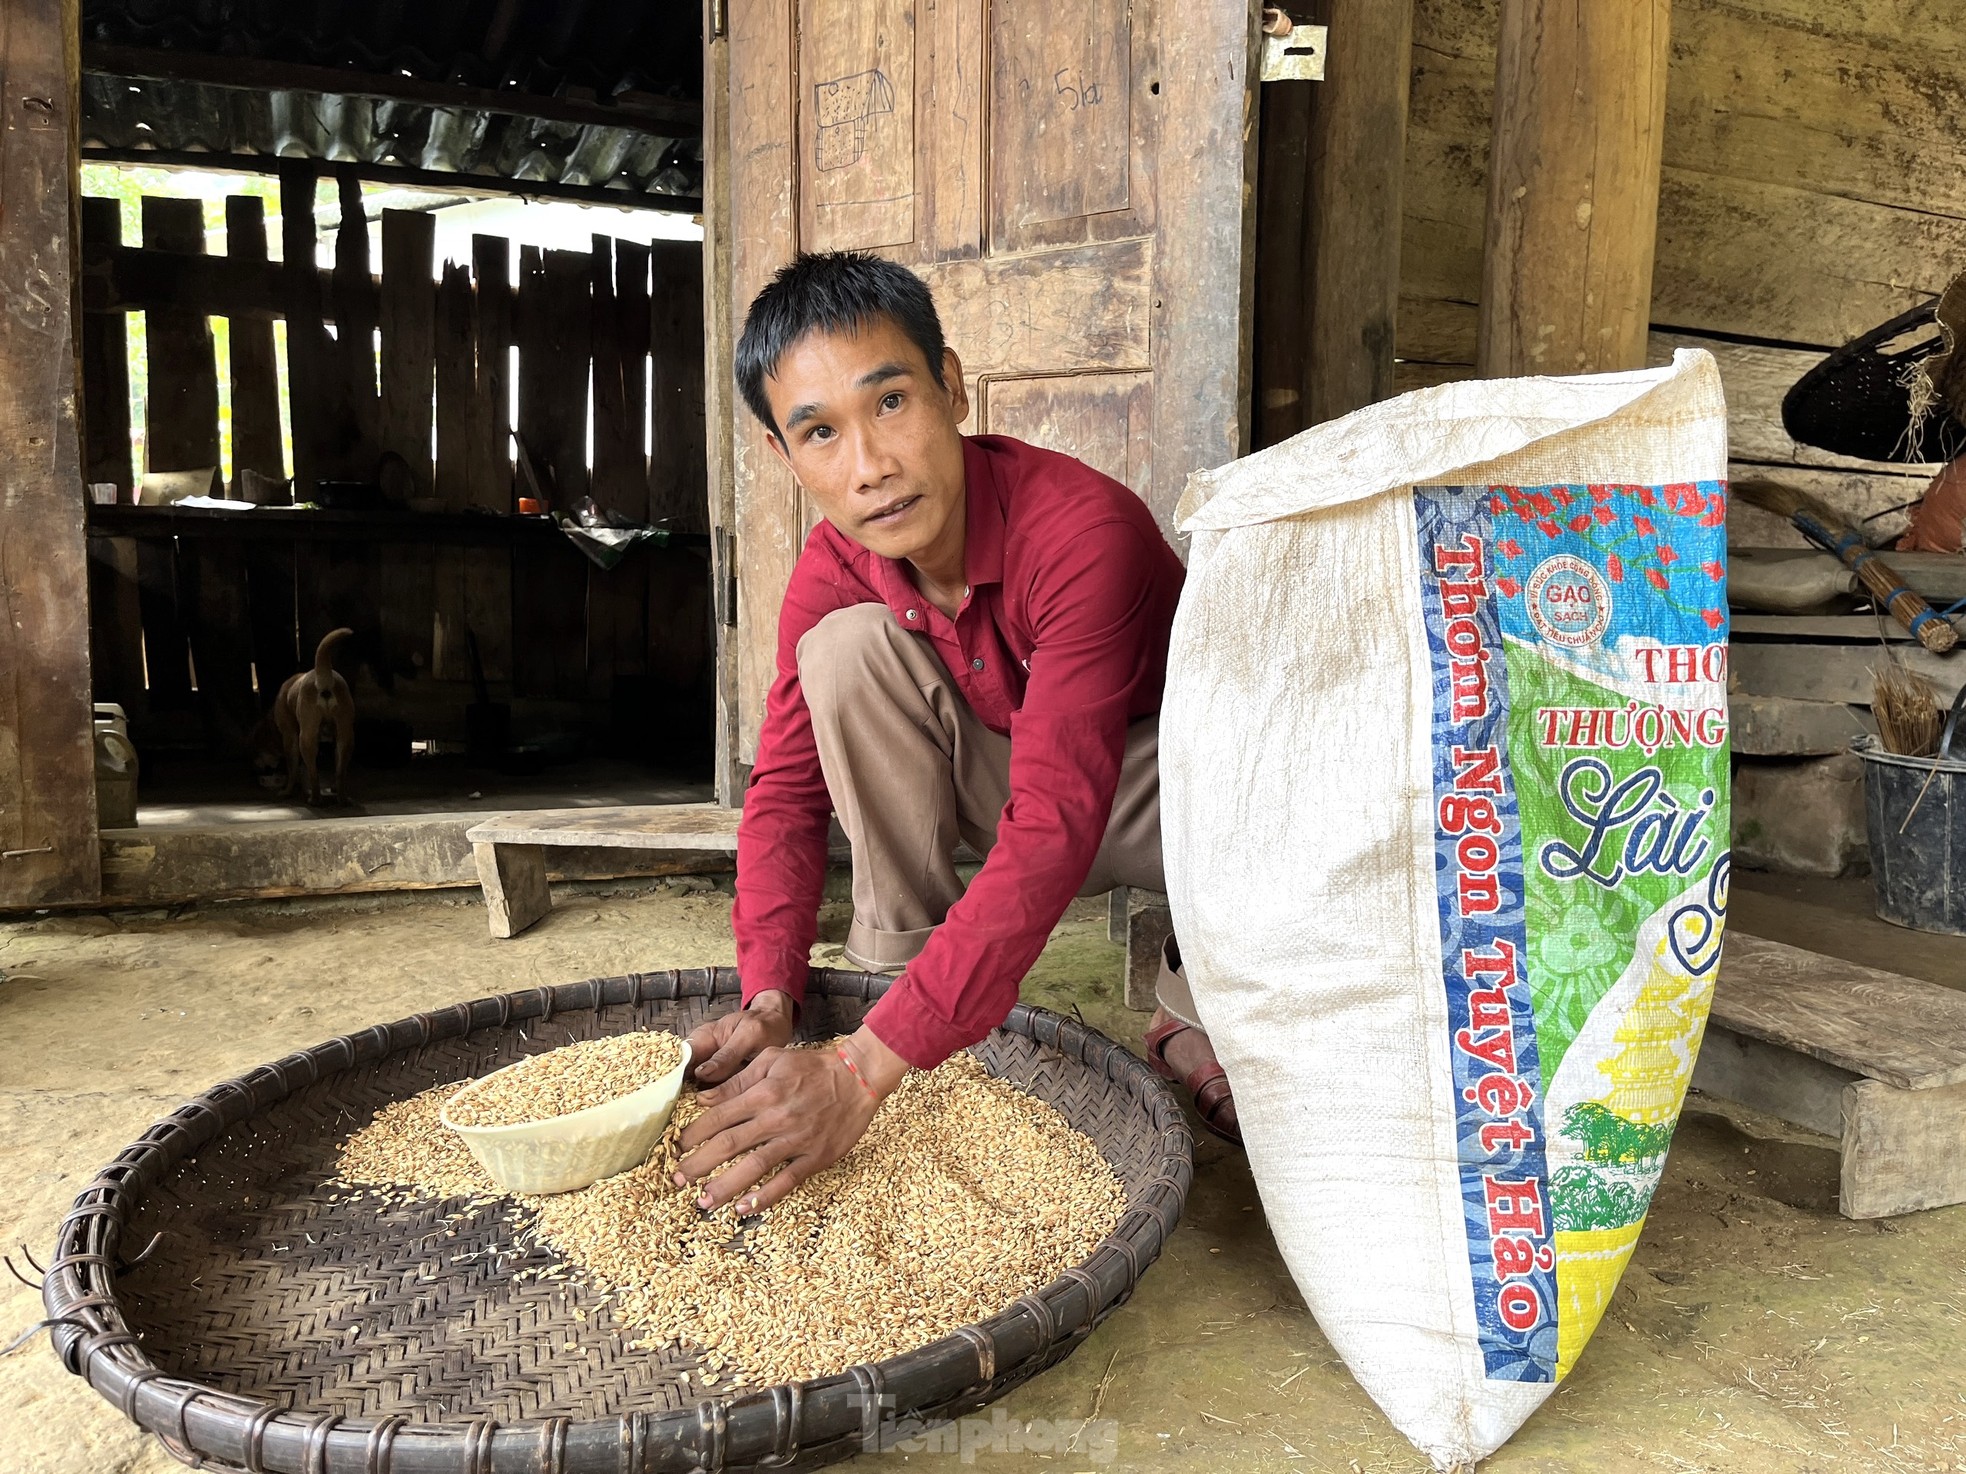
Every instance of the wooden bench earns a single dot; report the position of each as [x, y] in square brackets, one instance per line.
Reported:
[1871, 1058]
[511, 849]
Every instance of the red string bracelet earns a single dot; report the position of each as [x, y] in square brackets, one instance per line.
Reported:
[854, 1069]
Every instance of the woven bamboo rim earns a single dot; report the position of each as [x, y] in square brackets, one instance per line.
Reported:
[802, 1423]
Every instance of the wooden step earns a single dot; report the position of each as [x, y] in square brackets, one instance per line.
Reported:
[628, 827]
[1870, 1057]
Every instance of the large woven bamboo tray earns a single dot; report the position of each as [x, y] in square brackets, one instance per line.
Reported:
[212, 1286]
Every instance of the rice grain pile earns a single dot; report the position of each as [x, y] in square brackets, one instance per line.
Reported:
[964, 1194]
[572, 1078]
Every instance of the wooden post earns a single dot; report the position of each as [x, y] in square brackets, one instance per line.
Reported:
[488, 601]
[255, 369]
[105, 368]
[677, 459]
[1278, 339]
[409, 345]
[1573, 186]
[307, 339]
[355, 321]
[719, 418]
[269, 566]
[48, 844]
[1357, 160]
[181, 406]
[457, 456]
[115, 618]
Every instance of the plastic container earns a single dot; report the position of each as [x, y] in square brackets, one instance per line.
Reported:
[116, 769]
[1915, 812]
[562, 1153]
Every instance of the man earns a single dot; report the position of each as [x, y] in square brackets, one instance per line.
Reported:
[972, 648]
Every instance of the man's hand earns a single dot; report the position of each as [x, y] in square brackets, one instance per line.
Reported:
[799, 1110]
[725, 1045]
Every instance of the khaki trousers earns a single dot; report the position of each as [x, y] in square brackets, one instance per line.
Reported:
[912, 770]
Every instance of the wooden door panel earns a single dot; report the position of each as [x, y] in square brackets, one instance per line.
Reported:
[1106, 419]
[857, 124]
[1072, 180]
[1054, 313]
[1071, 125]
[951, 131]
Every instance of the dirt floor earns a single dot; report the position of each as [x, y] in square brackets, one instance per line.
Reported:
[1756, 1331]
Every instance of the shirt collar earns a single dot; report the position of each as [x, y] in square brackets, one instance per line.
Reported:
[983, 537]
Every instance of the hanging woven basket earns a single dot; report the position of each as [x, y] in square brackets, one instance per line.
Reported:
[212, 1285]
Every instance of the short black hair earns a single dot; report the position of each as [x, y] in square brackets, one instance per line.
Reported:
[831, 292]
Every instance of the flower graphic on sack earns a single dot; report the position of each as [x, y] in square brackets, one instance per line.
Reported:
[1640, 532]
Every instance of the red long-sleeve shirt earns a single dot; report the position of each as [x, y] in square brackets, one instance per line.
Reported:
[1061, 643]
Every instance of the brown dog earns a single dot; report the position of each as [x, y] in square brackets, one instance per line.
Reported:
[306, 701]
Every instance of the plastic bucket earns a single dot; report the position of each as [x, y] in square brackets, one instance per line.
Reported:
[1915, 812]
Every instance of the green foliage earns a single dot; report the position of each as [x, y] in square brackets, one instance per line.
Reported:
[1582, 1200]
[1611, 1139]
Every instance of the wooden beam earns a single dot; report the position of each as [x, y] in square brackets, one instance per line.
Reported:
[1356, 162]
[1201, 325]
[307, 345]
[719, 400]
[409, 329]
[1776, 726]
[488, 595]
[440, 181]
[1573, 186]
[255, 371]
[105, 369]
[1843, 673]
[666, 116]
[408, 337]
[355, 313]
[1277, 333]
[457, 456]
[676, 465]
[181, 405]
[120, 279]
[48, 848]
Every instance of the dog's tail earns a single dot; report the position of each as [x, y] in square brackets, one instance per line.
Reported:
[324, 653]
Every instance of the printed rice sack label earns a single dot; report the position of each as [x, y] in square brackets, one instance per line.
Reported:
[1444, 802]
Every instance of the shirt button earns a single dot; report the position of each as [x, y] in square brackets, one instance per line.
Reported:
[911, 614]
[976, 664]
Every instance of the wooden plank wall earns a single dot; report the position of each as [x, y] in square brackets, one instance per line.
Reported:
[1812, 189]
[48, 847]
[193, 637]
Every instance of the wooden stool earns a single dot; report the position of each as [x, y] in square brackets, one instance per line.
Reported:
[511, 849]
[1872, 1058]
[1141, 922]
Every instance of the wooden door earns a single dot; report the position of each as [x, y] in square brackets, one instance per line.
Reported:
[1073, 181]
[48, 845]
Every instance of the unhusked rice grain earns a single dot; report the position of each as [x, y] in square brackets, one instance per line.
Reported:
[965, 1194]
[571, 1078]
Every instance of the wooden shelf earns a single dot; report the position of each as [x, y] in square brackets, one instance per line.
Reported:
[306, 524]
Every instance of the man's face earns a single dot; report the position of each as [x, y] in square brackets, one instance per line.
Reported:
[873, 438]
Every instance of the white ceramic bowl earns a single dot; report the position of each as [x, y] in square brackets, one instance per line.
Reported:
[562, 1153]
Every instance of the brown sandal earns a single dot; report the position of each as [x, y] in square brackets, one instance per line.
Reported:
[1207, 1084]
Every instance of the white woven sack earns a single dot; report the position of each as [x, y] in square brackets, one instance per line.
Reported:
[1443, 785]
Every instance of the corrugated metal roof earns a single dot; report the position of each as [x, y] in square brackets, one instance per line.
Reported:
[176, 117]
[545, 47]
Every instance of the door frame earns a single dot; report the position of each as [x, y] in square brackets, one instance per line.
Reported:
[1203, 171]
[49, 845]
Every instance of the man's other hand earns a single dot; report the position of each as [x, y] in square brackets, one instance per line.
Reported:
[726, 1045]
[790, 1111]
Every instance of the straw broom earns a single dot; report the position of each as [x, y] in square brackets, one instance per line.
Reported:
[1907, 711]
[1831, 533]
